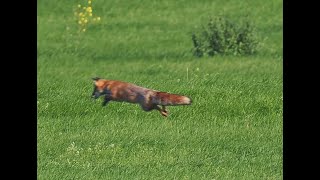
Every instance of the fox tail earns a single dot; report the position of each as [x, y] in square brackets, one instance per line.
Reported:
[167, 99]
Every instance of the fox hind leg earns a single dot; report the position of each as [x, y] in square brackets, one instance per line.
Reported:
[162, 110]
[147, 107]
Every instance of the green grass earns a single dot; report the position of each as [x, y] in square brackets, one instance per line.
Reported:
[233, 129]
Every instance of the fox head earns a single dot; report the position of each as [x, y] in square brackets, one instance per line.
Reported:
[98, 89]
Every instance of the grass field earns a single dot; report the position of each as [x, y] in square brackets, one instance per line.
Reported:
[233, 129]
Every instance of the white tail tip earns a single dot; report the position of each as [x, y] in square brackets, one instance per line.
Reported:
[187, 100]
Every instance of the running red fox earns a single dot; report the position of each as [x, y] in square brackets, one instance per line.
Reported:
[147, 98]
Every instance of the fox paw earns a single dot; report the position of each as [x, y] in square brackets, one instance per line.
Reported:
[164, 113]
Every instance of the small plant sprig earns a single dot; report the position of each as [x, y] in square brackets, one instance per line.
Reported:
[84, 16]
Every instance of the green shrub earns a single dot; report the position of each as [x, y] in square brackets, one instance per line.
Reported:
[221, 36]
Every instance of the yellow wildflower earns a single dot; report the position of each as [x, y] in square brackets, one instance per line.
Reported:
[85, 15]
[89, 9]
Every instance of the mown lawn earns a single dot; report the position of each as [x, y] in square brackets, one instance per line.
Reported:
[233, 129]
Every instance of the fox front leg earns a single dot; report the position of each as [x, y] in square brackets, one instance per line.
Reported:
[105, 101]
[107, 97]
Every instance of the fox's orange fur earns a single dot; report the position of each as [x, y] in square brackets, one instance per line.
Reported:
[147, 98]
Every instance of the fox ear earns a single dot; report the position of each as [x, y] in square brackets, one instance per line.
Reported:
[95, 79]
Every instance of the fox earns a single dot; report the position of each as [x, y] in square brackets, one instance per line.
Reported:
[148, 99]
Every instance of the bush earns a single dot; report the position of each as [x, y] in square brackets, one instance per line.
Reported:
[221, 36]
